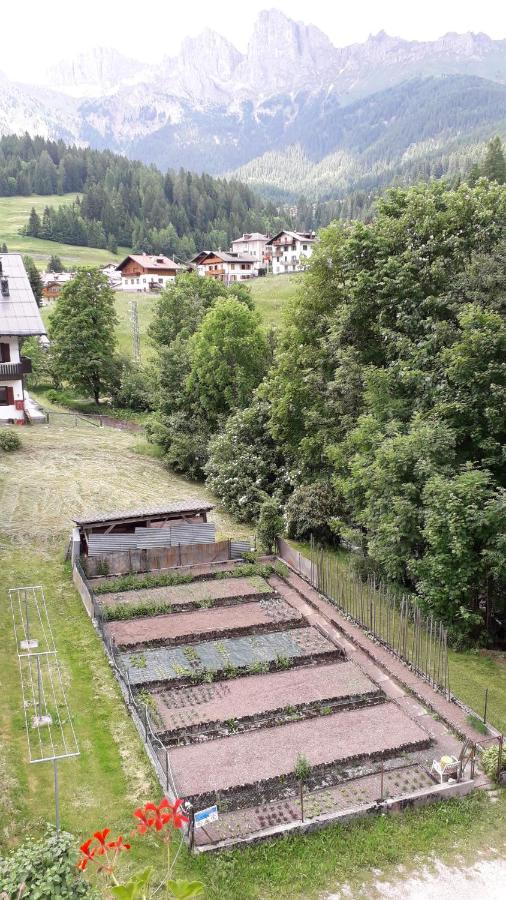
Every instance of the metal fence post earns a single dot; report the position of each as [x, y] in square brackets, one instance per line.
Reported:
[485, 707]
[499, 757]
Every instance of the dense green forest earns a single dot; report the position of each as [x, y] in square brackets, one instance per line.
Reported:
[127, 203]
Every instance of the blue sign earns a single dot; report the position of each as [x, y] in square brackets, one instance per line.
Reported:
[206, 816]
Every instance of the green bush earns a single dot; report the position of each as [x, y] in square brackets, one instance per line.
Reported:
[309, 512]
[46, 868]
[489, 759]
[270, 525]
[9, 440]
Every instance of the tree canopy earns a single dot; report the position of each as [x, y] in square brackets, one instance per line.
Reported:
[82, 332]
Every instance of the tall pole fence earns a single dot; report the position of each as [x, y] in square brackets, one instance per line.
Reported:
[392, 619]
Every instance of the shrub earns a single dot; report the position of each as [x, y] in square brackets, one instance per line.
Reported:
[47, 868]
[270, 524]
[489, 759]
[9, 440]
[310, 510]
[302, 769]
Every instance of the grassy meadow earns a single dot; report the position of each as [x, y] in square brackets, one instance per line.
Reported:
[270, 295]
[14, 212]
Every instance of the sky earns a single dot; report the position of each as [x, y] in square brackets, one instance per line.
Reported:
[56, 29]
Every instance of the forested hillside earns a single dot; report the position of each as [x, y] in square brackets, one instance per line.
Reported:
[421, 129]
[127, 203]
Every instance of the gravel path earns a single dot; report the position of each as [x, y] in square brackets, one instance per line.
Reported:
[255, 694]
[257, 756]
[188, 626]
[483, 880]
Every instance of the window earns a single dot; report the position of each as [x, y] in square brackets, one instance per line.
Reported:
[4, 396]
[304, 246]
[5, 353]
[160, 281]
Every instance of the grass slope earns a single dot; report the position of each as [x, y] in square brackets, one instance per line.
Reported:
[64, 470]
[14, 212]
[271, 294]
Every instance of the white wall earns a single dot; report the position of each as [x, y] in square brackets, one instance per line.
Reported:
[292, 260]
[142, 282]
[10, 412]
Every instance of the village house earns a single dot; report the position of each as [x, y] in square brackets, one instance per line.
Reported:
[145, 272]
[226, 267]
[19, 318]
[290, 250]
[253, 245]
[53, 282]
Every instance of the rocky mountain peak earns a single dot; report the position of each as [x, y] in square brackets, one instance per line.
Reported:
[94, 72]
[283, 54]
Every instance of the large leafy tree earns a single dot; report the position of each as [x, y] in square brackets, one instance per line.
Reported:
[229, 355]
[82, 332]
[180, 425]
[390, 375]
[463, 571]
[245, 466]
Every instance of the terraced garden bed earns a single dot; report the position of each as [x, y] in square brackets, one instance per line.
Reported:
[182, 597]
[401, 781]
[247, 618]
[268, 755]
[201, 711]
[230, 656]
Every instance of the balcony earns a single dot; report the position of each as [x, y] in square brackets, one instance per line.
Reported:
[16, 370]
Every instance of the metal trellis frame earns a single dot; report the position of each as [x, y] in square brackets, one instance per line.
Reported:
[48, 721]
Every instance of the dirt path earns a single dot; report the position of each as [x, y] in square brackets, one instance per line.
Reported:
[483, 880]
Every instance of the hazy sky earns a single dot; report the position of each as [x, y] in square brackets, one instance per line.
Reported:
[35, 33]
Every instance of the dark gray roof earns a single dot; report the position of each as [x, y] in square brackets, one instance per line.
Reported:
[19, 313]
[183, 506]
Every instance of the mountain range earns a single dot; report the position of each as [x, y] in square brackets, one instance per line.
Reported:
[293, 114]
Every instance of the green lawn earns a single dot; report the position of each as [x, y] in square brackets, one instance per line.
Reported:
[14, 212]
[64, 470]
[271, 295]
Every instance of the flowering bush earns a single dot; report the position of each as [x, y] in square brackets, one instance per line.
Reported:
[105, 855]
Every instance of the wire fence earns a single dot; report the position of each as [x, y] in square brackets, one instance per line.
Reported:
[139, 710]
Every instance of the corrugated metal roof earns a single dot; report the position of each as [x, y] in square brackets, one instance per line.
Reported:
[19, 313]
[184, 506]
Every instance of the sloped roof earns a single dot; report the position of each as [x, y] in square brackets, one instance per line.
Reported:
[199, 259]
[295, 235]
[19, 313]
[183, 506]
[254, 236]
[149, 261]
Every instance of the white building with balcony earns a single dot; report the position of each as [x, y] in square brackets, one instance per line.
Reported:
[290, 250]
[19, 319]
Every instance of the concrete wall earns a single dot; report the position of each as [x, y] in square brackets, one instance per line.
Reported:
[83, 589]
[297, 561]
[124, 562]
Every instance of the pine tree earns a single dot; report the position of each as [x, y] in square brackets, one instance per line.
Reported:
[494, 165]
[33, 223]
[34, 278]
[55, 264]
